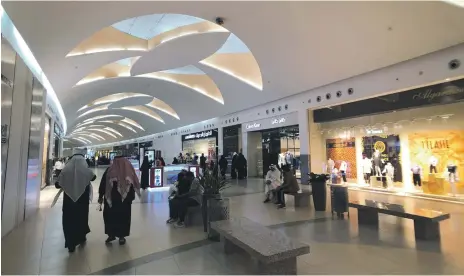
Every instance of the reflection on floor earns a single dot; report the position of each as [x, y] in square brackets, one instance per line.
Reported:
[337, 246]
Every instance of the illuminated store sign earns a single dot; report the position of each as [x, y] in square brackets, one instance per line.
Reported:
[254, 125]
[200, 135]
[374, 131]
[278, 121]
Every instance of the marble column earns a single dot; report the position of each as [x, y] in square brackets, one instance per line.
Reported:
[305, 165]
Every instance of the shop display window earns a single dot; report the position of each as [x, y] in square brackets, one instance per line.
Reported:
[343, 154]
[440, 157]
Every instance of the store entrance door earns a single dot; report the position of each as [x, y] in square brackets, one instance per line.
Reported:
[271, 149]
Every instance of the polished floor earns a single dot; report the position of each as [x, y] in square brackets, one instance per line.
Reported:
[337, 246]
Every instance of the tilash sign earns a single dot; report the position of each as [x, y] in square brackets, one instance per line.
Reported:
[199, 135]
[278, 121]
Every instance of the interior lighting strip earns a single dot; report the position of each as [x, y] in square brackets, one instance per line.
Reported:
[103, 131]
[132, 123]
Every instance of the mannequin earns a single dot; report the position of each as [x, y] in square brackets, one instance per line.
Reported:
[334, 176]
[330, 164]
[416, 174]
[281, 160]
[367, 169]
[377, 160]
[389, 171]
[343, 167]
[288, 158]
[433, 161]
[452, 176]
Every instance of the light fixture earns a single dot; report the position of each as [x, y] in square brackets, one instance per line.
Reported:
[127, 126]
[103, 131]
[145, 111]
[133, 123]
[96, 109]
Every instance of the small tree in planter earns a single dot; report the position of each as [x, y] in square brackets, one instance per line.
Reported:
[214, 207]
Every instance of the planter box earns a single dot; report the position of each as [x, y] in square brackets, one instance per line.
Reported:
[216, 209]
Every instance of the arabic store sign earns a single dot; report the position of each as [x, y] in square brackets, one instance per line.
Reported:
[200, 135]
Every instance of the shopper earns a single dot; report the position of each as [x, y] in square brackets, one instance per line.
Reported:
[179, 204]
[233, 168]
[223, 166]
[203, 162]
[145, 170]
[241, 166]
[117, 190]
[289, 186]
[74, 180]
[273, 181]
[59, 165]
[175, 161]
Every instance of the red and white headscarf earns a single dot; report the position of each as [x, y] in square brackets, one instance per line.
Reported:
[121, 172]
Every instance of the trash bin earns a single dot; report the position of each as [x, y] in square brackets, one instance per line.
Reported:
[318, 183]
[339, 199]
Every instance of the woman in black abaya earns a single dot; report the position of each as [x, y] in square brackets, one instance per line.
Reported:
[117, 190]
[74, 181]
[145, 170]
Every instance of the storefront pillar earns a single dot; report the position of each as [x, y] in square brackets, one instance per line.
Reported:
[220, 144]
[316, 146]
[303, 124]
[51, 139]
[406, 163]
[359, 157]
[13, 201]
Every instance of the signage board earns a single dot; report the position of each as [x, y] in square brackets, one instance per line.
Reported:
[443, 93]
[200, 135]
[158, 177]
[272, 122]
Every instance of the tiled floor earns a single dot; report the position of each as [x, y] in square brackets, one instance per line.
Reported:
[337, 246]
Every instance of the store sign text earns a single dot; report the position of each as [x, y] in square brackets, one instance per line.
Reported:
[430, 95]
[204, 134]
[278, 121]
[435, 144]
[374, 131]
[252, 126]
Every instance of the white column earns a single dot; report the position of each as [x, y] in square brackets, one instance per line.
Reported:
[16, 171]
[359, 151]
[220, 142]
[406, 163]
[316, 146]
[303, 124]
[51, 140]
[60, 151]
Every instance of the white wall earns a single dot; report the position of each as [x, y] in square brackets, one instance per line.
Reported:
[422, 71]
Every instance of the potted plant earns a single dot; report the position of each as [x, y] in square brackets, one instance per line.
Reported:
[319, 190]
[214, 207]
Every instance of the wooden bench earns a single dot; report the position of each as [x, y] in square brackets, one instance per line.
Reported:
[302, 198]
[194, 216]
[426, 222]
[274, 251]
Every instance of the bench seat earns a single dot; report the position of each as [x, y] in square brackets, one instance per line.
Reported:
[302, 198]
[274, 251]
[194, 216]
[426, 221]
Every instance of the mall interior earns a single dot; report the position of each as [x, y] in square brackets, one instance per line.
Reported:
[370, 101]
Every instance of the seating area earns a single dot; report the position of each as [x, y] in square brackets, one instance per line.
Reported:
[194, 216]
[275, 252]
[302, 198]
[426, 221]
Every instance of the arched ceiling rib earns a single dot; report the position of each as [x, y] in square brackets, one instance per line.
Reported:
[291, 41]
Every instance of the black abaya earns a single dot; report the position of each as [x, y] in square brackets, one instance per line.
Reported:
[117, 218]
[144, 178]
[75, 219]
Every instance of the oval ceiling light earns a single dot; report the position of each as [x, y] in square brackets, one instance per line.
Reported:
[87, 134]
[163, 107]
[96, 118]
[120, 68]
[81, 139]
[145, 111]
[113, 130]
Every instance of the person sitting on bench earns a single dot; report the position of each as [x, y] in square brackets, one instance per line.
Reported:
[179, 204]
[289, 186]
[272, 182]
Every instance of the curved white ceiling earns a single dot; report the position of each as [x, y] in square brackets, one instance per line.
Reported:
[294, 45]
[173, 55]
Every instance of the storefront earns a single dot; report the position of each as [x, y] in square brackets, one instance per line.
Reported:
[272, 141]
[57, 134]
[231, 142]
[203, 142]
[413, 144]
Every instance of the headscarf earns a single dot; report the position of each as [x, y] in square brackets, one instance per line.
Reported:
[121, 172]
[75, 177]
